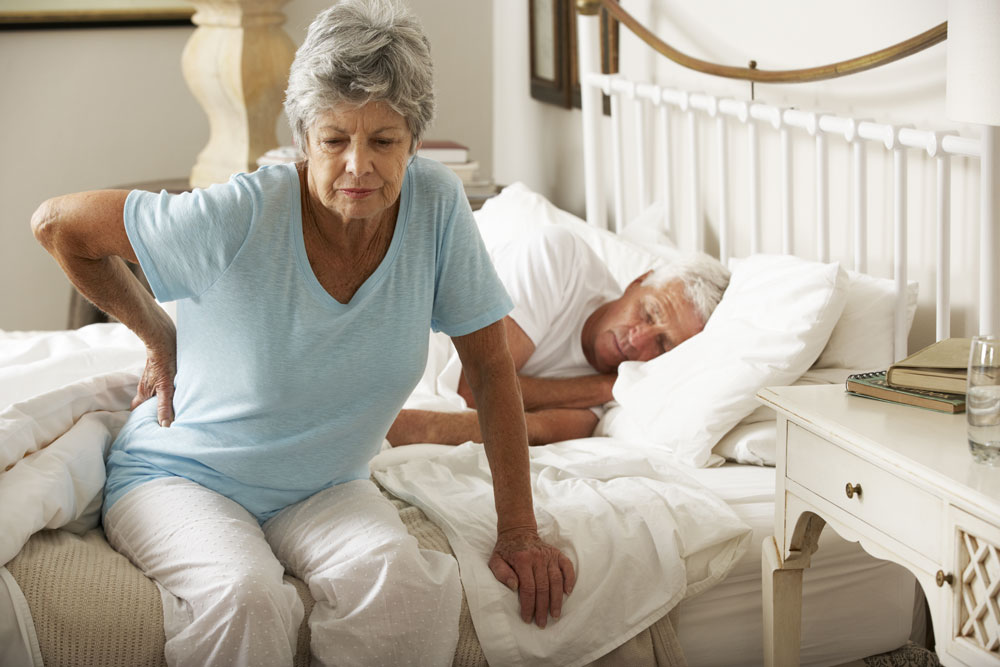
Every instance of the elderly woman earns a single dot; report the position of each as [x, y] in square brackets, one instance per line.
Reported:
[305, 296]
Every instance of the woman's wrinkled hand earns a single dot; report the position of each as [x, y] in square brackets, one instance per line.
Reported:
[158, 379]
[539, 573]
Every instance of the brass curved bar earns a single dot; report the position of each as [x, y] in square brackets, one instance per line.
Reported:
[884, 56]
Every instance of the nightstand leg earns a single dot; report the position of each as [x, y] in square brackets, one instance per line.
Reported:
[782, 591]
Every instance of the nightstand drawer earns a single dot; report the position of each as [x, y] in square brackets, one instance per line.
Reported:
[894, 506]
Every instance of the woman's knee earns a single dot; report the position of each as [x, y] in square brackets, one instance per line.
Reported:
[245, 593]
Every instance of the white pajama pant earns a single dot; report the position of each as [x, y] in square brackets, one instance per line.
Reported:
[380, 599]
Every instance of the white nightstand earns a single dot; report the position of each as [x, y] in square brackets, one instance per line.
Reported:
[900, 481]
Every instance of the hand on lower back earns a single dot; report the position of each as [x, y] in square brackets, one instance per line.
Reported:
[158, 379]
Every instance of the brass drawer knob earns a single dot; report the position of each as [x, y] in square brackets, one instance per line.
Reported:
[853, 489]
[941, 578]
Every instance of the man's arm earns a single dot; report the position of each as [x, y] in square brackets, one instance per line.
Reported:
[85, 233]
[585, 391]
[546, 393]
[540, 573]
[454, 428]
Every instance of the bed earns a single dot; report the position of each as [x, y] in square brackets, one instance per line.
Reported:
[685, 430]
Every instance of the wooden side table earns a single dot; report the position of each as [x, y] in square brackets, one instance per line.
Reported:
[901, 482]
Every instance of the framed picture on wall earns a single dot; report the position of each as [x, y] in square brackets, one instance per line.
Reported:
[554, 72]
[15, 14]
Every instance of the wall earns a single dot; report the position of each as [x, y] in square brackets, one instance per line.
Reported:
[93, 108]
[534, 143]
[539, 143]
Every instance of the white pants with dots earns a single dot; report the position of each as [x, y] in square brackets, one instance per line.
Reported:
[380, 599]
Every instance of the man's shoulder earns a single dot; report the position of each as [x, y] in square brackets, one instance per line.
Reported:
[560, 243]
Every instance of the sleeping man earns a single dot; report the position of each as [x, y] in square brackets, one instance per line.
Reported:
[570, 328]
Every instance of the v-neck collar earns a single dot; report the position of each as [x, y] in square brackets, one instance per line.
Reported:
[372, 281]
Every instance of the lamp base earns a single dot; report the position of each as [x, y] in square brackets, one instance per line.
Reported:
[236, 64]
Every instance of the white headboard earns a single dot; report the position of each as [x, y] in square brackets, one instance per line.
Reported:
[682, 148]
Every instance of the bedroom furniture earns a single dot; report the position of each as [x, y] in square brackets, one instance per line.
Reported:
[236, 65]
[900, 481]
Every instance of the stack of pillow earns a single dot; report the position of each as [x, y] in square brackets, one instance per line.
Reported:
[783, 320]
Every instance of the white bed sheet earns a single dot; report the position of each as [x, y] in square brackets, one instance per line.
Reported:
[853, 605]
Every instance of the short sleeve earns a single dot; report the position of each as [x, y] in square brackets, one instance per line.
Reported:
[468, 293]
[185, 242]
[537, 271]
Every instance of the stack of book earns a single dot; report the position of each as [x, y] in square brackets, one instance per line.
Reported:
[933, 378]
[280, 155]
[456, 157]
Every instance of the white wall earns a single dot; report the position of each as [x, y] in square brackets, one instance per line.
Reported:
[535, 143]
[93, 108]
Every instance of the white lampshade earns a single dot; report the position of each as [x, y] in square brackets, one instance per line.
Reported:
[974, 61]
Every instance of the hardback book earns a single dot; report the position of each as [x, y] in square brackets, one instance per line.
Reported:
[873, 385]
[467, 171]
[443, 150]
[941, 366]
[480, 188]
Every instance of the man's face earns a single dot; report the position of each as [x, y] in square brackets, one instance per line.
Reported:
[642, 324]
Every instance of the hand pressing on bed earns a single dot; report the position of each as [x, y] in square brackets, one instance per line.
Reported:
[539, 573]
[158, 376]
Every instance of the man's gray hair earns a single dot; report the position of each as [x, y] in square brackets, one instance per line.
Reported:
[361, 51]
[703, 276]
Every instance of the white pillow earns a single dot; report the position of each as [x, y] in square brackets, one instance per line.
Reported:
[863, 338]
[752, 443]
[773, 321]
[518, 209]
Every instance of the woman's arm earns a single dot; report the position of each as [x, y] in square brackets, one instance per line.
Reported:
[540, 573]
[85, 233]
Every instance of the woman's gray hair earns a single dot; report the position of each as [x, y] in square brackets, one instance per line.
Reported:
[703, 276]
[361, 51]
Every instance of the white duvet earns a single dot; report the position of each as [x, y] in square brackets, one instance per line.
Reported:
[641, 534]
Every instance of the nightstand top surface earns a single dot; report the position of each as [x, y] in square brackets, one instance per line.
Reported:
[928, 444]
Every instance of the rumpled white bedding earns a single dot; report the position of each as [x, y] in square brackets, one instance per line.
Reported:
[64, 396]
[641, 534]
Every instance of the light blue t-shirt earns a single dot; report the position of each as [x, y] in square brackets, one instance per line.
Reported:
[281, 390]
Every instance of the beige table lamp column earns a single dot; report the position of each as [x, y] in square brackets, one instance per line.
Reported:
[236, 64]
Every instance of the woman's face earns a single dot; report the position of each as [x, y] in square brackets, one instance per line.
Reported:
[357, 158]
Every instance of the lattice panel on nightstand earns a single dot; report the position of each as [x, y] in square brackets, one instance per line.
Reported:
[979, 611]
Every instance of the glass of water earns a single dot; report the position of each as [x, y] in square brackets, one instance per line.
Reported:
[982, 401]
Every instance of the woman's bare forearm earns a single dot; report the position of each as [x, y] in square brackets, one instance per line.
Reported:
[111, 286]
[487, 363]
